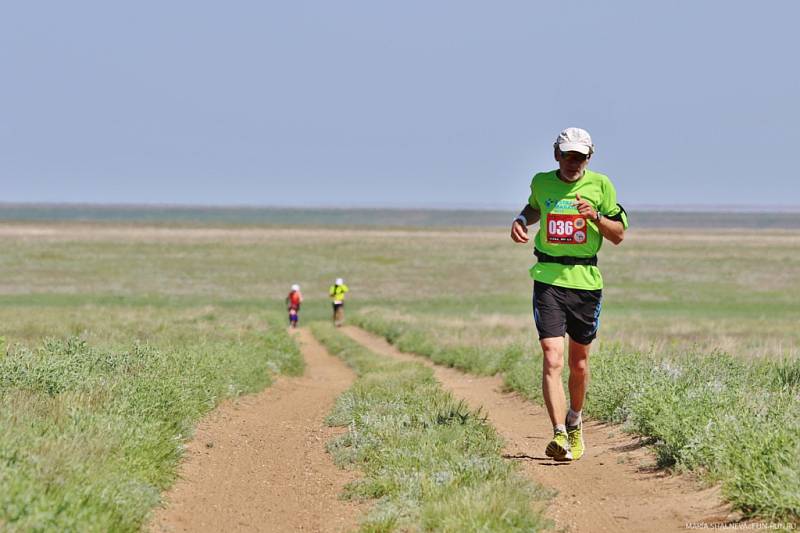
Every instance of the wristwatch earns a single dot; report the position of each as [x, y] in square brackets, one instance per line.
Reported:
[598, 216]
[521, 218]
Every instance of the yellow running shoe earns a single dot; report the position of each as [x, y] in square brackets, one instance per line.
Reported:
[576, 444]
[558, 448]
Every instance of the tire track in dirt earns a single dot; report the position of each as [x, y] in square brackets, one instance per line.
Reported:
[259, 463]
[614, 487]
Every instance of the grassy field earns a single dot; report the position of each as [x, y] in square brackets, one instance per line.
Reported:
[698, 351]
[702, 320]
[99, 389]
[365, 217]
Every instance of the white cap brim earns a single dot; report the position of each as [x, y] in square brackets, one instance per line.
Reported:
[575, 147]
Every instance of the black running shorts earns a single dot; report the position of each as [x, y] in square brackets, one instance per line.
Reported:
[559, 310]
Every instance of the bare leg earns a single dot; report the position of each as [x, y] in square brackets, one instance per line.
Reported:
[578, 373]
[552, 388]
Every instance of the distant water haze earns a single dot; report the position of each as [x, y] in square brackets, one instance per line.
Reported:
[743, 217]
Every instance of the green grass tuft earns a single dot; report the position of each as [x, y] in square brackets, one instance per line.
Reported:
[432, 463]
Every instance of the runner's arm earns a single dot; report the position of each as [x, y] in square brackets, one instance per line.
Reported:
[519, 231]
[610, 227]
[613, 230]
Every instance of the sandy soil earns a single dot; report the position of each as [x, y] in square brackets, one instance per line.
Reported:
[259, 464]
[614, 487]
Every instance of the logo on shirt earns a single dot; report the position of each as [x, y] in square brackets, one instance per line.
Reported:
[562, 206]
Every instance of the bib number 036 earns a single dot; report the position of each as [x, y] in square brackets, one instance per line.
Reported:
[566, 229]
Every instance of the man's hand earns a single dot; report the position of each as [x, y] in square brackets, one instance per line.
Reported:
[519, 232]
[612, 230]
[585, 208]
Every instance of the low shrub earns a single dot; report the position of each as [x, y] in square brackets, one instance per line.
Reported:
[90, 437]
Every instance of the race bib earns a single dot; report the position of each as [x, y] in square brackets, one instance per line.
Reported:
[566, 229]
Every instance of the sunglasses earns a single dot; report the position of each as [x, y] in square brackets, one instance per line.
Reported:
[574, 156]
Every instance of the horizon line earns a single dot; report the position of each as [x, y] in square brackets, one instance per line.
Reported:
[435, 206]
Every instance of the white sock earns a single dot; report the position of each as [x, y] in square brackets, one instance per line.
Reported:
[573, 417]
[559, 428]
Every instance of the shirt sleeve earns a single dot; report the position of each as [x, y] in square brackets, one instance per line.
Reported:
[532, 197]
[608, 205]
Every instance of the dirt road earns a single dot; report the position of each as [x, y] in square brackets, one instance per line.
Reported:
[259, 464]
[613, 488]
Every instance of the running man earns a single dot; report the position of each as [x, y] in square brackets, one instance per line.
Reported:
[578, 209]
[293, 302]
[337, 292]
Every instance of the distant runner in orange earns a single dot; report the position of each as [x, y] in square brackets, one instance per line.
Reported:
[578, 209]
[293, 301]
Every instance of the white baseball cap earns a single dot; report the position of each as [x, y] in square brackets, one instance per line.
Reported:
[295, 287]
[339, 281]
[574, 140]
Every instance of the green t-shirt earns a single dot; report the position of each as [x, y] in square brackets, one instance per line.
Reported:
[337, 292]
[564, 232]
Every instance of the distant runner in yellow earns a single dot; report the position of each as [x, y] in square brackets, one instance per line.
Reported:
[578, 209]
[337, 292]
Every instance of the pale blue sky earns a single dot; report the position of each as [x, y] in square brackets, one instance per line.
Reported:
[435, 103]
